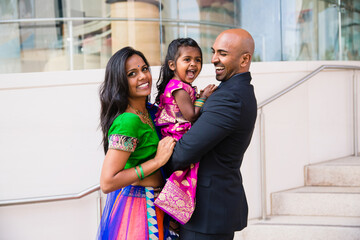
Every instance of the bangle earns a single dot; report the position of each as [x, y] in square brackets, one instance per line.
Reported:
[142, 172]
[199, 102]
[137, 173]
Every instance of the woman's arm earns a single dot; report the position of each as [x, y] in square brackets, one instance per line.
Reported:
[114, 176]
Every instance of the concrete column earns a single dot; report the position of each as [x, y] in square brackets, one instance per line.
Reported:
[143, 36]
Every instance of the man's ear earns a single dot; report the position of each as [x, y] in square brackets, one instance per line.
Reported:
[171, 64]
[245, 59]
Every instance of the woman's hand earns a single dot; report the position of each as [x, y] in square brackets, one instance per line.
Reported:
[164, 150]
[114, 176]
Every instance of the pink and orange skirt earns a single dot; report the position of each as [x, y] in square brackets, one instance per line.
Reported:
[130, 214]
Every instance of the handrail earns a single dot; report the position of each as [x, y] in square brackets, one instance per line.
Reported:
[53, 198]
[69, 19]
[281, 93]
[304, 79]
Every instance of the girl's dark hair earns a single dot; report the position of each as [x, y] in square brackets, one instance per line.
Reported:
[166, 74]
[114, 91]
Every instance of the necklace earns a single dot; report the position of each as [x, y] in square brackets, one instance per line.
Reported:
[145, 117]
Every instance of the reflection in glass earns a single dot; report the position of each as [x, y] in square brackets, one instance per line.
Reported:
[315, 34]
[90, 43]
[78, 34]
[299, 30]
[265, 27]
[9, 38]
[328, 33]
[350, 29]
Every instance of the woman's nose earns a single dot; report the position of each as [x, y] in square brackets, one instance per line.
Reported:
[141, 76]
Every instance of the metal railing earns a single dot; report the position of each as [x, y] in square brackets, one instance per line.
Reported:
[186, 24]
[52, 198]
[55, 198]
[283, 92]
[108, 19]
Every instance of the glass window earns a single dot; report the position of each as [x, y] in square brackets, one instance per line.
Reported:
[314, 33]
[350, 29]
[42, 35]
[328, 30]
[201, 20]
[265, 27]
[9, 38]
[299, 30]
[219, 11]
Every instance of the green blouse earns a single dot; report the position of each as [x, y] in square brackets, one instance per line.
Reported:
[129, 133]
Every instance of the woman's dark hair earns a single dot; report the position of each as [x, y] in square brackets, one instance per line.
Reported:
[173, 53]
[114, 91]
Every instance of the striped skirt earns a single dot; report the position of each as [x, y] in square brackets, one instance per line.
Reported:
[130, 214]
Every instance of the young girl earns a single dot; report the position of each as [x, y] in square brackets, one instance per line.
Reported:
[179, 107]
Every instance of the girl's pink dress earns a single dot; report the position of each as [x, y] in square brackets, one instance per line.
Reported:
[178, 195]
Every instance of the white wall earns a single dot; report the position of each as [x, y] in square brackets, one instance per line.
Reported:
[311, 124]
[50, 143]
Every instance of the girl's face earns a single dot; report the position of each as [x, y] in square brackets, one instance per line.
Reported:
[188, 65]
[138, 76]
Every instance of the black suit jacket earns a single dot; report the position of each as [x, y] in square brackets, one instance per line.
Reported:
[218, 139]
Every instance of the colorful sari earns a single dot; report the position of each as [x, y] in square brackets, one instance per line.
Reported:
[129, 213]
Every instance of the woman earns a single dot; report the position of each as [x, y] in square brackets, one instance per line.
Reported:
[130, 173]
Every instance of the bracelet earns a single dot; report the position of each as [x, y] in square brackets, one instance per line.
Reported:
[142, 172]
[199, 102]
[137, 173]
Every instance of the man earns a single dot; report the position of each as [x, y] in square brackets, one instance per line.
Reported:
[218, 139]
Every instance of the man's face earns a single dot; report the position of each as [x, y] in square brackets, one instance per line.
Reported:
[226, 56]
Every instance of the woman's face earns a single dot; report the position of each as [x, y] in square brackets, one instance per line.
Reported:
[138, 76]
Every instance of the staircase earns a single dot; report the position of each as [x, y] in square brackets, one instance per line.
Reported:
[326, 208]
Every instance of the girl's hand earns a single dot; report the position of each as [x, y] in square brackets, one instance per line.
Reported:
[206, 92]
[164, 150]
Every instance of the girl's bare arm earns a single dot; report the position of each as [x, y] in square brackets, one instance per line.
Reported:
[187, 108]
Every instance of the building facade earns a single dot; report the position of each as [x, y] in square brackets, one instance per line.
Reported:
[41, 35]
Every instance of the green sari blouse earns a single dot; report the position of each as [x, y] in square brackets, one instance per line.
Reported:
[128, 133]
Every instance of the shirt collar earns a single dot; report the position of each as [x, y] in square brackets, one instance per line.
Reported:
[233, 76]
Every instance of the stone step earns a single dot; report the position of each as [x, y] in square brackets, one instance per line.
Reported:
[317, 201]
[339, 172]
[302, 228]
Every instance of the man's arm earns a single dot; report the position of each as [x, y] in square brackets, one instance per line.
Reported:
[218, 120]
